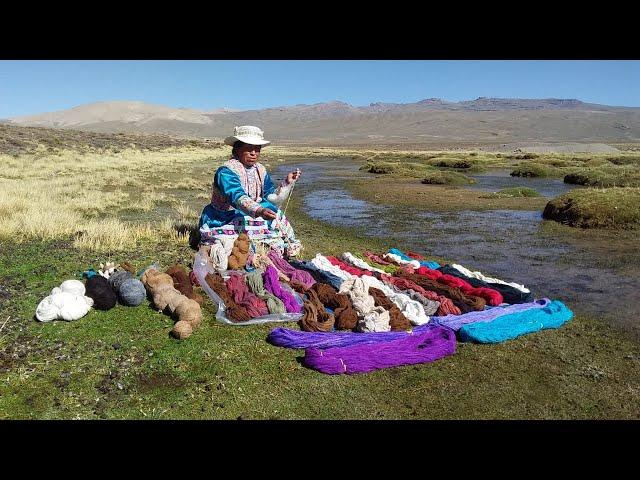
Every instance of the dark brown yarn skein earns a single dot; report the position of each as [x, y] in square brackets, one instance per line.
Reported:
[466, 303]
[182, 283]
[346, 316]
[397, 320]
[235, 312]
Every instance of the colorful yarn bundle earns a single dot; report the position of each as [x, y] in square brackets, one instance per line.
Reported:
[446, 305]
[315, 317]
[293, 273]
[182, 283]
[272, 285]
[234, 312]
[256, 285]
[511, 326]
[348, 268]
[345, 315]
[357, 262]
[98, 289]
[456, 322]
[285, 337]
[492, 297]
[239, 253]
[66, 302]
[318, 274]
[430, 306]
[411, 258]
[428, 346]
[323, 263]
[185, 311]
[397, 321]
[401, 261]
[480, 276]
[375, 258]
[241, 295]
[411, 309]
[465, 303]
[509, 293]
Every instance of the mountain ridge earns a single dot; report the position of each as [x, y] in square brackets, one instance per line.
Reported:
[430, 119]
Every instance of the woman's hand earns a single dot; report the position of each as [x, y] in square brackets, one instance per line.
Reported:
[267, 213]
[293, 176]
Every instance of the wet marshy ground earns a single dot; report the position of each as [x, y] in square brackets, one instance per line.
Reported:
[592, 271]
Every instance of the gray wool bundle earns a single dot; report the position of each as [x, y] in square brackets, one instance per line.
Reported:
[117, 278]
[132, 292]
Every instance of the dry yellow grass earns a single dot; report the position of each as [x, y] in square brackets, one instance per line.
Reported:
[78, 195]
[106, 199]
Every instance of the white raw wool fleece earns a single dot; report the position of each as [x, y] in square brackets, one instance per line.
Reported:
[280, 197]
[63, 306]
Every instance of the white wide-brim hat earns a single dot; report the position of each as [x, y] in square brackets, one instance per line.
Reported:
[247, 134]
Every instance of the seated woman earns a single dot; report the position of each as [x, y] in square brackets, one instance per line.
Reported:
[242, 186]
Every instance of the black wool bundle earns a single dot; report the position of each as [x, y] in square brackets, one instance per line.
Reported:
[98, 288]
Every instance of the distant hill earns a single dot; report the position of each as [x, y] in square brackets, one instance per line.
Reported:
[495, 120]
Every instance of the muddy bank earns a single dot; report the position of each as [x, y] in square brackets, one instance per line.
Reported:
[591, 273]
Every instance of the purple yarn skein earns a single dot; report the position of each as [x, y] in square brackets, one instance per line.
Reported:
[293, 273]
[272, 285]
[424, 347]
[285, 337]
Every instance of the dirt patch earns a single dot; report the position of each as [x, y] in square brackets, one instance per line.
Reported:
[155, 381]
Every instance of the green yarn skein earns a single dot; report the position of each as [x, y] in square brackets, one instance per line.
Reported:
[256, 285]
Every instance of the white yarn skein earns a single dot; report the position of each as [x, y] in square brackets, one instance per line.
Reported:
[323, 263]
[357, 262]
[218, 256]
[63, 305]
[377, 320]
[396, 258]
[358, 291]
[482, 277]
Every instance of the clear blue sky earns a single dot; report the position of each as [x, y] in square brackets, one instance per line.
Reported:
[29, 87]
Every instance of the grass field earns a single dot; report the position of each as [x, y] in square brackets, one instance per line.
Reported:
[63, 212]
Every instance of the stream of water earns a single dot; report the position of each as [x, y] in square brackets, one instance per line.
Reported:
[588, 272]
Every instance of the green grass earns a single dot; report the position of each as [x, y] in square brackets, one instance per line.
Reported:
[605, 177]
[122, 363]
[615, 208]
[446, 178]
[513, 192]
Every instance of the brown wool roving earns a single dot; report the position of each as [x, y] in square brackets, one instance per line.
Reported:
[397, 320]
[236, 313]
[240, 252]
[152, 279]
[346, 317]
[126, 266]
[182, 283]
[165, 296]
[181, 330]
[315, 317]
[298, 286]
